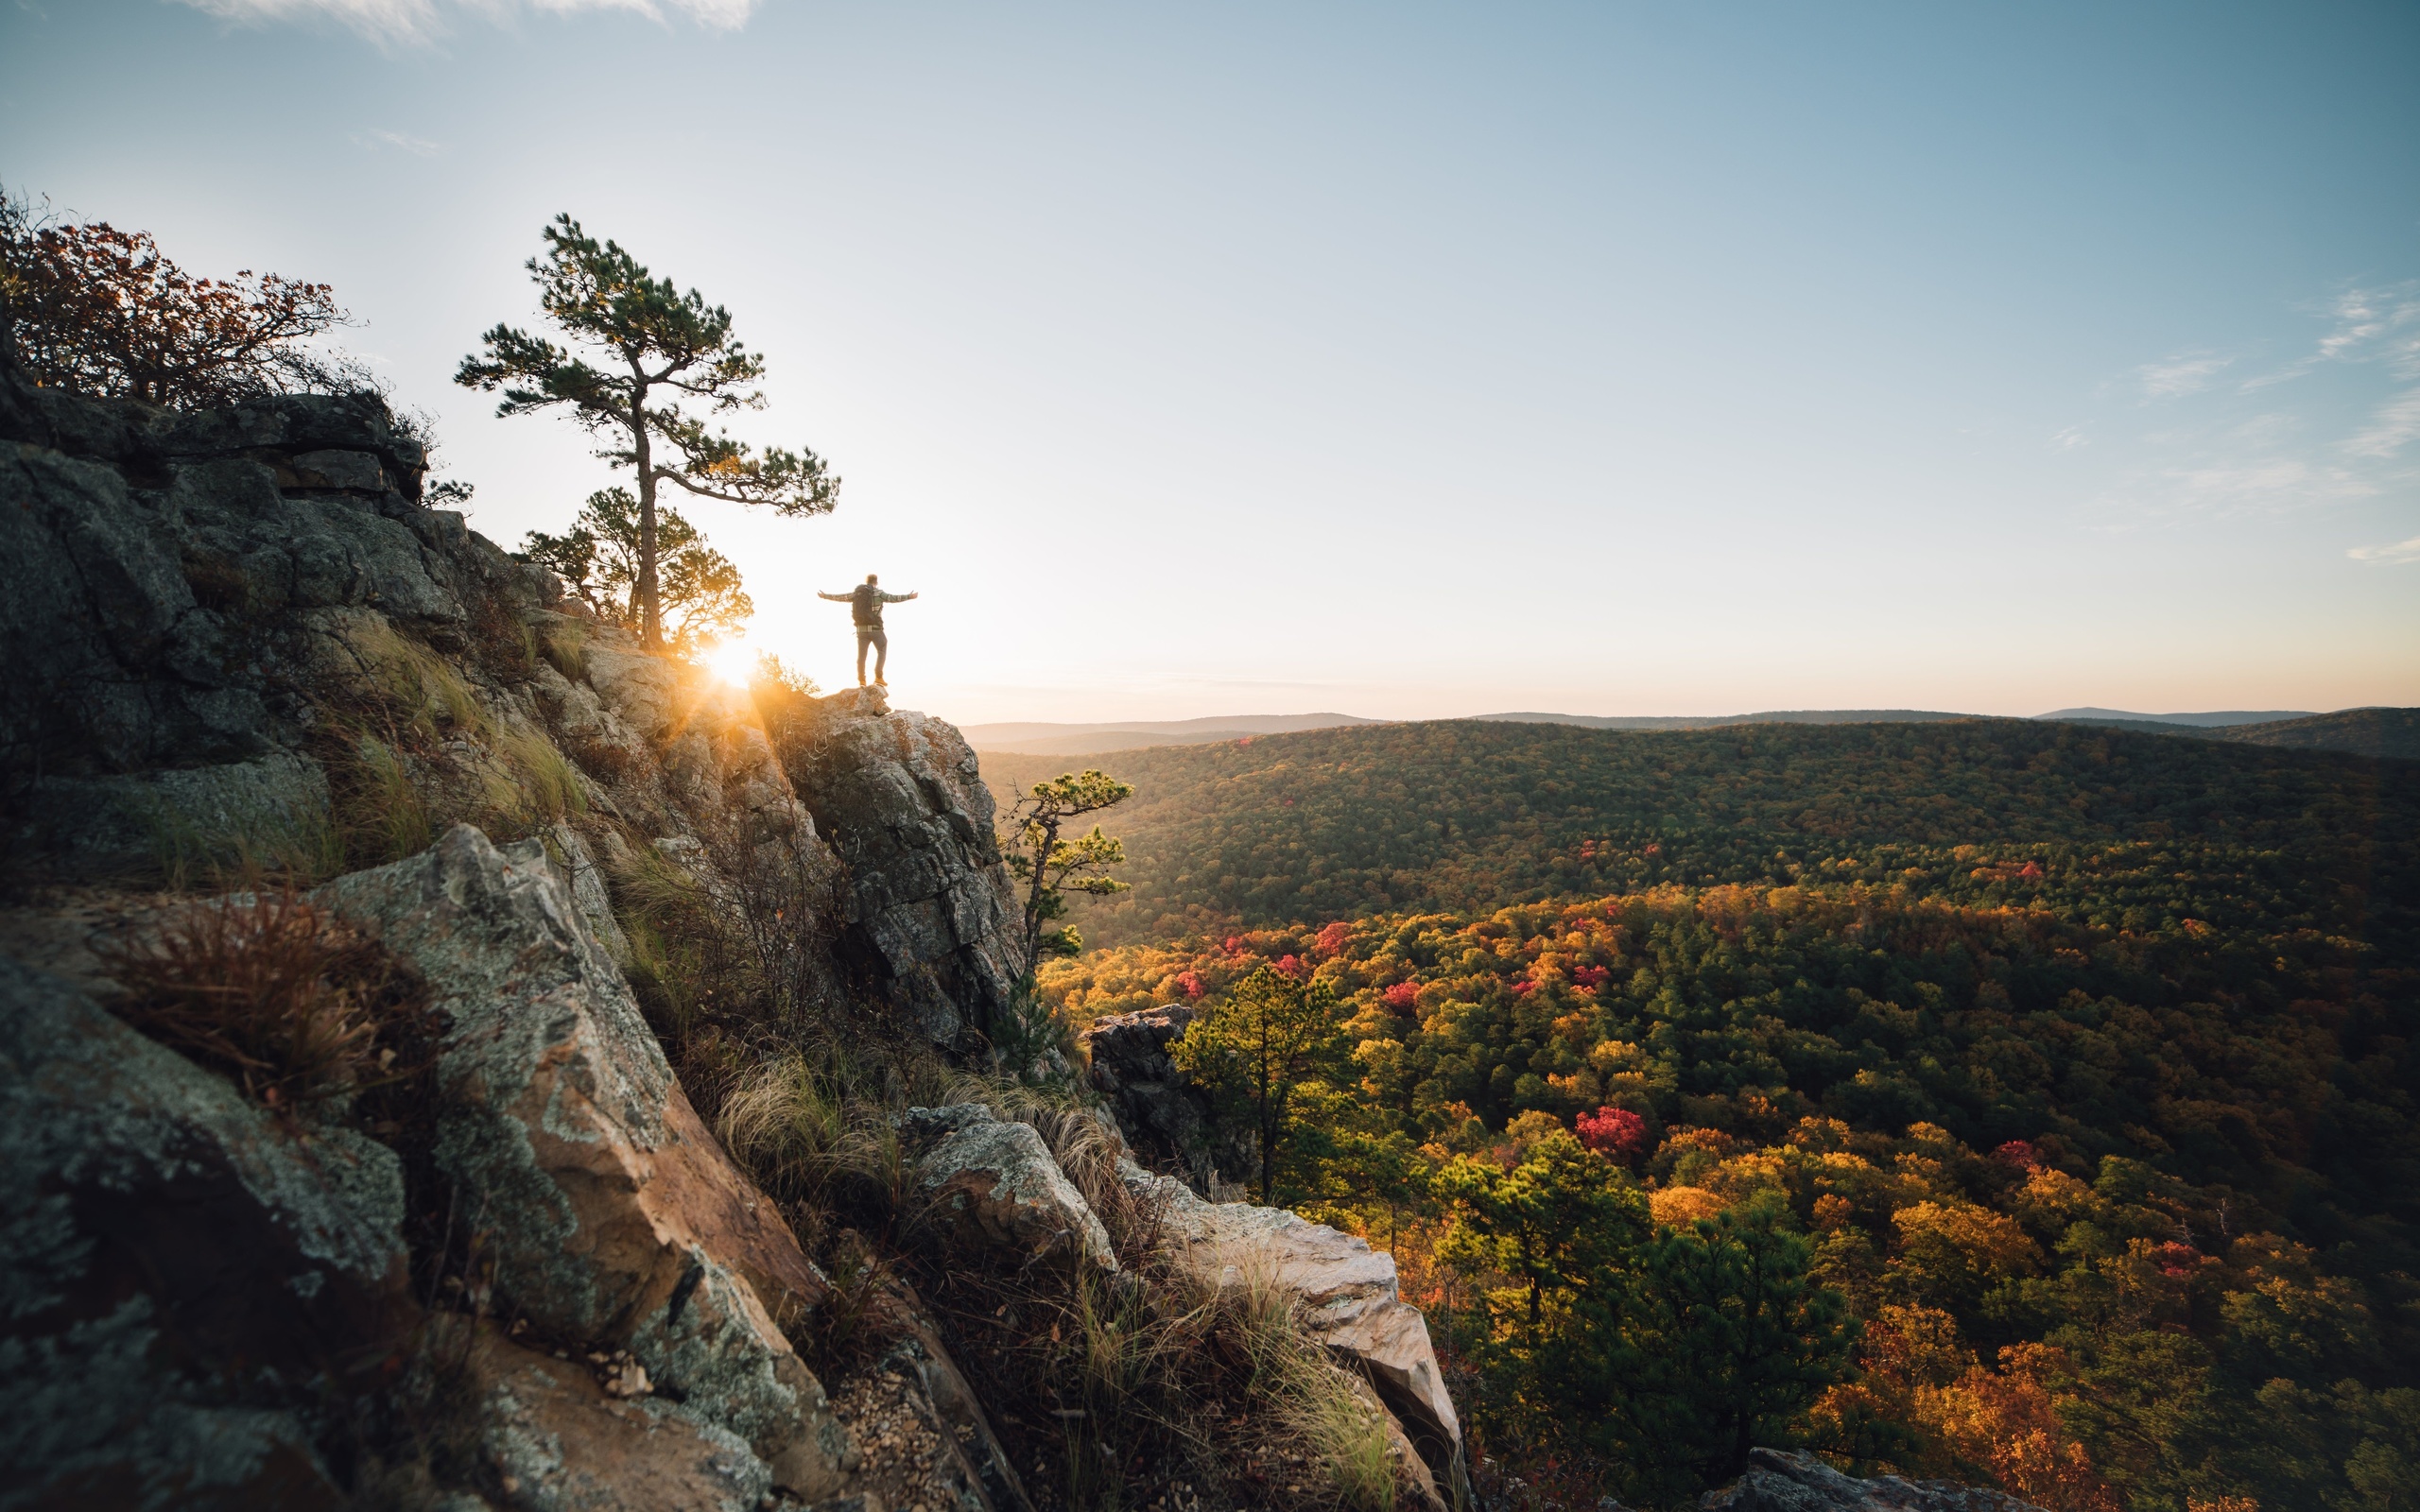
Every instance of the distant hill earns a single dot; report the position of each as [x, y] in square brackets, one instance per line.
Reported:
[1343, 823]
[2387, 732]
[2211, 720]
[1081, 739]
[2393, 732]
[1784, 716]
[2358, 731]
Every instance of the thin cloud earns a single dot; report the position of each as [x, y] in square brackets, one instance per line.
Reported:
[2179, 375]
[2394, 427]
[423, 21]
[2068, 439]
[2234, 488]
[417, 147]
[2401, 552]
[2382, 324]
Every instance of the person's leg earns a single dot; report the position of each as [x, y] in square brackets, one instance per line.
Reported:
[864, 636]
[881, 655]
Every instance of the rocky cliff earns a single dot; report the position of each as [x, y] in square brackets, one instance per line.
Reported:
[452, 1059]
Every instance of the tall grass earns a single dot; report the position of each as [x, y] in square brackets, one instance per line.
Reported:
[380, 814]
[565, 643]
[258, 852]
[548, 779]
[801, 1125]
[421, 689]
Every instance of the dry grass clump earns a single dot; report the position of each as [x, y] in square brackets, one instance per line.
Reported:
[1163, 1372]
[380, 814]
[820, 1147]
[289, 1002]
[256, 852]
[417, 687]
[668, 919]
[552, 782]
[564, 644]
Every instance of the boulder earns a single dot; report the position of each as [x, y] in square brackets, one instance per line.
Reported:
[262, 810]
[557, 1441]
[1347, 1293]
[1165, 1115]
[1785, 1481]
[193, 1287]
[641, 690]
[991, 1184]
[576, 864]
[614, 1219]
[152, 564]
[929, 921]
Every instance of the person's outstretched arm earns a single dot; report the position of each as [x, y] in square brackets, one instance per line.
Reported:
[837, 598]
[897, 598]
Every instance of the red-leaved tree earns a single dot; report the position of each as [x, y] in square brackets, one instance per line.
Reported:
[1617, 1133]
[102, 311]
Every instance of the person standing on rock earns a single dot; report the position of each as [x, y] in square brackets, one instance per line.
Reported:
[865, 603]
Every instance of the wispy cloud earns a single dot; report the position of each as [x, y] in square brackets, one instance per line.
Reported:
[2402, 551]
[2068, 439]
[2179, 375]
[2394, 427]
[423, 21]
[2264, 485]
[2368, 325]
[417, 147]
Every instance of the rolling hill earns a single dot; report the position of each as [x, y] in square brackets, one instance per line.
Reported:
[2391, 733]
[1077, 739]
[2122, 827]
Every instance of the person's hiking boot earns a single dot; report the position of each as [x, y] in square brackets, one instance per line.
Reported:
[882, 682]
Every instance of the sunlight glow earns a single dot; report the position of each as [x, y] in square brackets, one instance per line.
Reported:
[733, 660]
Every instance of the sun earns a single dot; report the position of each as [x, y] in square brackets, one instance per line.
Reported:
[734, 662]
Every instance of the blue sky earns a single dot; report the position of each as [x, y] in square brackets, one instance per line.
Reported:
[1406, 360]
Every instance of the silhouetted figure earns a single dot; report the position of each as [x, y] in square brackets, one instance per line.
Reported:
[865, 603]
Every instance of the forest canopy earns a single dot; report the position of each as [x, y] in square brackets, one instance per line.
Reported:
[2061, 1079]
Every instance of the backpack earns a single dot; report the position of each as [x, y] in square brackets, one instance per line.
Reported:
[865, 604]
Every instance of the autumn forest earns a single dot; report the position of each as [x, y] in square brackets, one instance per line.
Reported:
[2018, 1103]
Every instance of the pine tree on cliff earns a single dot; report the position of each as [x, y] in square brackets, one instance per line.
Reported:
[656, 350]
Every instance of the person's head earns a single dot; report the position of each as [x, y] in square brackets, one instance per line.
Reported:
[872, 579]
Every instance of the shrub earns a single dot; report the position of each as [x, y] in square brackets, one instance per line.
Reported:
[287, 1001]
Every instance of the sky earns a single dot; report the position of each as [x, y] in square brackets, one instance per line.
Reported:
[1405, 360]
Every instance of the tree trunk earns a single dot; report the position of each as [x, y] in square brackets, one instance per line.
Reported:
[1033, 894]
[650, 610]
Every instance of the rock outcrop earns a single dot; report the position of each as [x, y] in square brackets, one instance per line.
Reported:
[166, 575]
[237, 639]
[237, 644]
[1167, 1119]
[1783, 1481]
[1347, 1293]
[929, 917]
[990, 1184]
[190, 1287]
[628, 1226]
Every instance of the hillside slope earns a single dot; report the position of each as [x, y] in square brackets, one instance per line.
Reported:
[2125, 828]
[455, 1058]
[2079, 1060]
[2390, 733]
